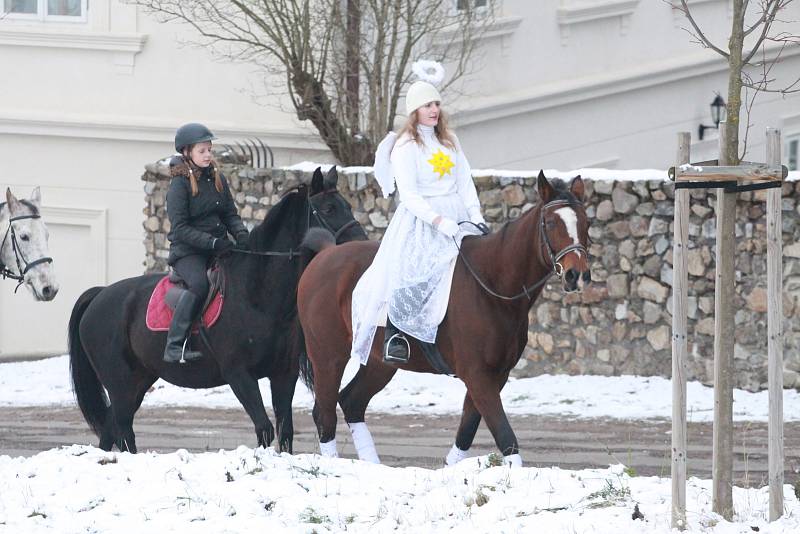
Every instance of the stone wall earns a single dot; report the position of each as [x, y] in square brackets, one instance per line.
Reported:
[622, 323]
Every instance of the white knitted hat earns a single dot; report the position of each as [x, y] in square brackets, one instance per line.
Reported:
[419, 94]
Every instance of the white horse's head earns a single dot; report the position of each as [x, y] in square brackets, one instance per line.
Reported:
[24, 252]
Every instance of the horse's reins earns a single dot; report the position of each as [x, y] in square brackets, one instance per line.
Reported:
[311, 210]
[5, 272]
[555, 258]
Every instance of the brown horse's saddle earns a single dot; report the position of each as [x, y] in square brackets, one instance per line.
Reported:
[435, 358]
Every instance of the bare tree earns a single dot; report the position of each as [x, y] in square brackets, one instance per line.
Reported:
[343, 62]
[750, 63]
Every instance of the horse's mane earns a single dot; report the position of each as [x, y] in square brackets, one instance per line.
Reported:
[276, 216]
[562, 191]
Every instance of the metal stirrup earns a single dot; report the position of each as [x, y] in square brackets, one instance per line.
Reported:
[389, 342]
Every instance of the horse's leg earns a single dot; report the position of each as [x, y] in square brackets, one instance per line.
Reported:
[124, 404]
[470, 420]
[355, 397]
[245, 387]
[485, 393]
[282, 387]
[327, 377]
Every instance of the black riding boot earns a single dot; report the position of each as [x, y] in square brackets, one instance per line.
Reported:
[395, 346]
[180, 329]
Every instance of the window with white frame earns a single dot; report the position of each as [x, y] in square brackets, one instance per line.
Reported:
[45, 10]
[474, 4]
[793, 152]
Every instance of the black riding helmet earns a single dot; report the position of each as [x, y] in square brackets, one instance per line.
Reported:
[190, 134]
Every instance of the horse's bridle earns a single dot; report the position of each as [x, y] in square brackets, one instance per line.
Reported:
[554, 257]
[312, 210]
[322, 222]
[19, 256]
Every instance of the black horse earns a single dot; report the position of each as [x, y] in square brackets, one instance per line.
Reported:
[257, 334]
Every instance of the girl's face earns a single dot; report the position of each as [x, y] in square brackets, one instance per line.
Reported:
[428, 115]
[201, 154]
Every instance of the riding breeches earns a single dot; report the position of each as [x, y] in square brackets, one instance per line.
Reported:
[192, 269]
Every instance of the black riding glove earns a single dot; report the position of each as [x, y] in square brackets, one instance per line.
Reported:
[243, 241]
[222, 245]
[485, 230]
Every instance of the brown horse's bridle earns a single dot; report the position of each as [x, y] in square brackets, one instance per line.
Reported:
[555, 257]
[20, 258]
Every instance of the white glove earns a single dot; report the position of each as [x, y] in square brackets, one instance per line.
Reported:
[448, 227]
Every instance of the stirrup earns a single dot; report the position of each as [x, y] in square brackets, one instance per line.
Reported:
[183, 353]
[390, 358]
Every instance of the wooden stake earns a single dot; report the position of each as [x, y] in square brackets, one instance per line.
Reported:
[679, 341]
[775, 331]
[724, 332]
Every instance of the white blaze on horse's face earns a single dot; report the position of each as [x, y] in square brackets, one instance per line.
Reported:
[32, 244]
[570, 220]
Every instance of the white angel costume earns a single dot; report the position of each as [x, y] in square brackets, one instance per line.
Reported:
[409, 279]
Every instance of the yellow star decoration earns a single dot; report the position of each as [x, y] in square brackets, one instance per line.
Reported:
[441, 163]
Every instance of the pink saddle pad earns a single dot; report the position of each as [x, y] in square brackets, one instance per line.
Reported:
[159, 314]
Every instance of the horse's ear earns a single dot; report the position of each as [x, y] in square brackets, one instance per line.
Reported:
[36, 197]
[546, 191]
[331, 179]
[13, 203]
[317, 182]
[577, 188]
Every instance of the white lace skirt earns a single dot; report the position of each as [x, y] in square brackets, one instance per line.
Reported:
[410, 277]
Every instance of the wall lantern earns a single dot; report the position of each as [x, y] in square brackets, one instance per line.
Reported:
[717, 115]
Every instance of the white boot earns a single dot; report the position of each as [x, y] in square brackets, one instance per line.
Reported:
[455, 455]
[329, 449]
[362, 440]
[513, 460]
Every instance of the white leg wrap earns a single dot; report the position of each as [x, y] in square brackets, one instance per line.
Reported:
[514, 460]
[364, 445]
[455, 455]
[329, 449]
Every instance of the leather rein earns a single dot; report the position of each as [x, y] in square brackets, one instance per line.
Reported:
[312, 211]
[544, 241]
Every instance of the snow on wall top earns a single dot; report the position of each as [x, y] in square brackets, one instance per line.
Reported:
[587, 173]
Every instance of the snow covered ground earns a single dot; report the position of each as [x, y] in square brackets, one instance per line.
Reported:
[46, 382]
[81, 489]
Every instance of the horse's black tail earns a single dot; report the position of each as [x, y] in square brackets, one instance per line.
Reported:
[316, 240]
[306, 370]
[88, 390]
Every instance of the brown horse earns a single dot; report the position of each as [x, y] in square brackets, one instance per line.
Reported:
[482, 335]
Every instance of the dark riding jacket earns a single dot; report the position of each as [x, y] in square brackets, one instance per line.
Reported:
[196, 221]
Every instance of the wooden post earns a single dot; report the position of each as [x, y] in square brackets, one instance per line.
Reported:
[679, 342]
[775, 331]
[722, 458]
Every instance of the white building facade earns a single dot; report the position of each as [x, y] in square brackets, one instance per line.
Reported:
[94, 90]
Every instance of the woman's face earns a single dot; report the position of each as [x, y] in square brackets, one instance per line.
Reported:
[428, 115]
[201, 154]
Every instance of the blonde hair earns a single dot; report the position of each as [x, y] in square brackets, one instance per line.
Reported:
[442, 130]
[192, 168]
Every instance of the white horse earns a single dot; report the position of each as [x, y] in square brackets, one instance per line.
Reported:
[24, 253]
